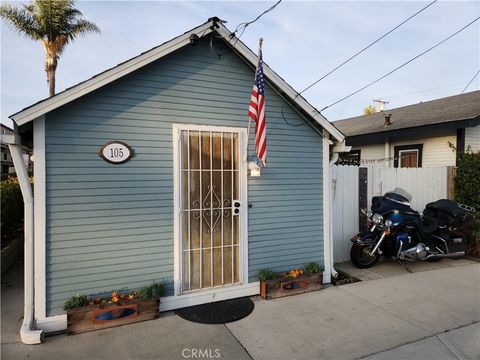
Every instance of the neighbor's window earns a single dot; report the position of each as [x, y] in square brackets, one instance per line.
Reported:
[350, 158]
[408, 156]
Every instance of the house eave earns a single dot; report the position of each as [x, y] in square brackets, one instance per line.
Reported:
[36, 110]
[76, 91]
[430, 130]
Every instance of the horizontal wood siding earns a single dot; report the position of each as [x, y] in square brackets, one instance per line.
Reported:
[436, 151]
[111, 226]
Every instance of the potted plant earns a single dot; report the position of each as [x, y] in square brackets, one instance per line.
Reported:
[123, 307]
[296, 281]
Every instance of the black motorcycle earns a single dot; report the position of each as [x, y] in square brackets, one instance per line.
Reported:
[398, 232]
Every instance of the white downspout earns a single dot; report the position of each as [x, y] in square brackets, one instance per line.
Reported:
[27, 335]
[328, 202]
[327, 210]
[330, 209]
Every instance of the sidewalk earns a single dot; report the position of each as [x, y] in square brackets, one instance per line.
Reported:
[346, 322]
[363, 318]
[459, 344]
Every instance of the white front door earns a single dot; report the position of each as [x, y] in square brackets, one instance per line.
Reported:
[210, 202]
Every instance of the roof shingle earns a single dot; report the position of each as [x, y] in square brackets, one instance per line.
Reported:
[452, 108]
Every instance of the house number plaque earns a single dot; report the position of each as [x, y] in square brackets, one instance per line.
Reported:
[116, 152]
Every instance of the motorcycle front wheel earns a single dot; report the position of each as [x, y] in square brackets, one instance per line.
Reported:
[360, 256]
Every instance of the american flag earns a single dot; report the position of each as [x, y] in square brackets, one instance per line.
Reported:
[256, 112]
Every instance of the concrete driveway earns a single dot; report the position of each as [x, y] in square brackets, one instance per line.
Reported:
[363, 318]
[347, 322]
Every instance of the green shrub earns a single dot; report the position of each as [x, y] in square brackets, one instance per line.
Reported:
[267, 274]
[76, 302]
[467, 190]
[312, 268]
[154, 290]
[12, 208]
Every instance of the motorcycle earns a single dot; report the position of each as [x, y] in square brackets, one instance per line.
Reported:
[397, 231]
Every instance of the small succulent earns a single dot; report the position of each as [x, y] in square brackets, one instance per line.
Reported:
[312, 268]
[75, 302]
[267, 274]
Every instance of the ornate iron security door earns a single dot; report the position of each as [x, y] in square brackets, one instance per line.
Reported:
[210, 208]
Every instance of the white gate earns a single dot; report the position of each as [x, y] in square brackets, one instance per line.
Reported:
[425, 185]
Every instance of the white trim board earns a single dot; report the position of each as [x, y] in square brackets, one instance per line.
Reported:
[83, 88]
[52, 323]
[39, 191]
[210, 295]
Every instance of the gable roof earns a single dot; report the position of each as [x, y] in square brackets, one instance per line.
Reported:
[212, 25]
[453, 108]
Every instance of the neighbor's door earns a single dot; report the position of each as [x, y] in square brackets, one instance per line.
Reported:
[211, 214]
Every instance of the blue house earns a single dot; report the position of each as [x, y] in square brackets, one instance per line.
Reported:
[140, 176]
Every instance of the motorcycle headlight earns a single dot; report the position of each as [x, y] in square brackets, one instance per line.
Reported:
[388, 223]
[369, 213]
[377, 218]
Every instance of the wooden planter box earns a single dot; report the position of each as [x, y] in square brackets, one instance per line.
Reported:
[286, 286]
[94, 317]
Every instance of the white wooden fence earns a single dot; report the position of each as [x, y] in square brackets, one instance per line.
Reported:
[425, 185]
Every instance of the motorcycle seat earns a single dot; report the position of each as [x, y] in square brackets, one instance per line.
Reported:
[427, 225]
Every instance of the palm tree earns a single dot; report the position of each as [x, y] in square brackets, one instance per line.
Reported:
[54, 22]
[370, 109]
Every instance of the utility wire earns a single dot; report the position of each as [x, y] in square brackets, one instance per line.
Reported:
[351, 58]
[466, 87]
[366, 47]
[244, 25]
[401, 66]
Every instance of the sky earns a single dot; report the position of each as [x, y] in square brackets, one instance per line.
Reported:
[303, 40]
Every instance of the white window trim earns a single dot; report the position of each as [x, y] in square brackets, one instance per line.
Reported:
[407, 151]
[215, 293]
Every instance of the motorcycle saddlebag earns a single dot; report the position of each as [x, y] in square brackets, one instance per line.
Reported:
[447, 212]
[456, 243]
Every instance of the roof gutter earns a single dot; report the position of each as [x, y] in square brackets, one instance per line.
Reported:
[27, 334]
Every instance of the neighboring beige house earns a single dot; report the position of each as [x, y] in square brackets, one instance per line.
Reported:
[422, 135]
[6, 159]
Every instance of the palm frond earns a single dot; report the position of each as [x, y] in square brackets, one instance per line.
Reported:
[82, 27]
[22, 21]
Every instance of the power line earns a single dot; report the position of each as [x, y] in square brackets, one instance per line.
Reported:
[367, 47]
[466, 87]
[244, 25]
[401, 66]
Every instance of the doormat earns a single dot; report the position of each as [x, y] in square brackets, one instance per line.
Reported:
[220, 312]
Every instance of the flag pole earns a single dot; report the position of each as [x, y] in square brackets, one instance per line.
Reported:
[260, 41]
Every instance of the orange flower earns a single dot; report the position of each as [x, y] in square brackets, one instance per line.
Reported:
[115, 296]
